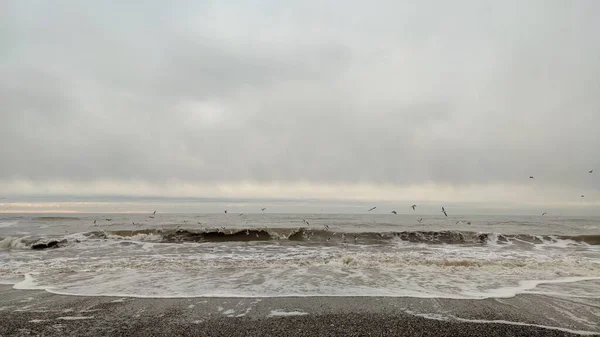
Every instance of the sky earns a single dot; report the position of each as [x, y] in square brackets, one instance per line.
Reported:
[400, 102]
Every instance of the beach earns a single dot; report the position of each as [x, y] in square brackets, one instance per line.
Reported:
[297, 275]
[39, 313]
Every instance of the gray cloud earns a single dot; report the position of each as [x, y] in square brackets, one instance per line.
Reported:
[461, 93]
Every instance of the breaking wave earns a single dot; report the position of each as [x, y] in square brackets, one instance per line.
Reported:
[307, 235]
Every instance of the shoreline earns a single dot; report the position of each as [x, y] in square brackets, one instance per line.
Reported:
[37, 312]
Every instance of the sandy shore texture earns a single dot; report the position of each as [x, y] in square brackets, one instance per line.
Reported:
[39, 313]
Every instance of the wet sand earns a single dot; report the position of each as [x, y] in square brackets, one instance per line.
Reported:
[39, 313]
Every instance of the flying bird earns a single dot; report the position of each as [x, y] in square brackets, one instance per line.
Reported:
[413, 207]
[225, 211]
[94, 222]
[394, 212]
[531, 177]
[591, 171]
[371, 209]
[108, 219]
[154, 213]
[544, 213]
[582, 196]
[263, 209]
[444, 211]
[420, 220]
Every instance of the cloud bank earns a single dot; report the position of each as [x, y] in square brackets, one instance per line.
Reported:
[125, 99]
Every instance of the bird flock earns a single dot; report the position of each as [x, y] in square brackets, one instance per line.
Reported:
[326, 227]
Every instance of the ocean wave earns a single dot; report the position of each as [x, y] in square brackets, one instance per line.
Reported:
[13, 243]
[306, 235]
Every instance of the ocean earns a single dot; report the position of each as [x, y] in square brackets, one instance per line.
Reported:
[301, 255]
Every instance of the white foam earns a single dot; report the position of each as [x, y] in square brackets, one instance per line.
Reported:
[277, 313]
[74, 318]
[395, 276]
[484, 321]
[11, 242]
[29, 283]
[109, 268]
[6, 224]
[10, 280]
[527, 285]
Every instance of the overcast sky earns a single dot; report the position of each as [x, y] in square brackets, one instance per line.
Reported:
[431, 101]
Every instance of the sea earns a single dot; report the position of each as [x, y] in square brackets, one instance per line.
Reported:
[280, 255]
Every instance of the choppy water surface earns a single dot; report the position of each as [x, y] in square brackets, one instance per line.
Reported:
[175, 255]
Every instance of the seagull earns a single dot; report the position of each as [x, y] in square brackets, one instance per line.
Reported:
[225, 211]
[413, 207]
[371, 209]
[306, 222]
[444, 211]
[263, 209]
[199, 223]
[326, 227]
[582, 196]
[590, 171]
[394, 212]
[544, 213]
[154, 213]
[531, 177]
[247, 232]
[94, 222]
[420, 220]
